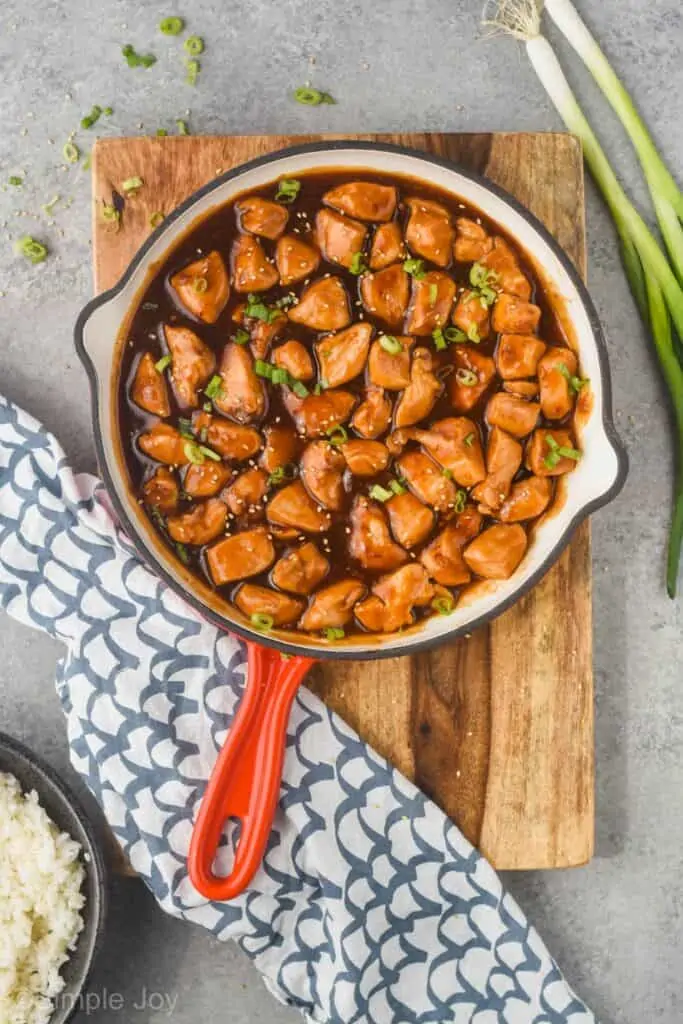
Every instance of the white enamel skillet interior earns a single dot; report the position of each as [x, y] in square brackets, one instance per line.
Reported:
[597, 478]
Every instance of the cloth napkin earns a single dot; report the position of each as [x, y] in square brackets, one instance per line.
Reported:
[370, 905]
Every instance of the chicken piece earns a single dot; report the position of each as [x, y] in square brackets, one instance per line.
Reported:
[164, 443]
[387, 369]
[464, 391]
[246, 492]
[207, 479]
[317, 414]
[523, 388]
[203, 287]
[161, 491]
[420, 397]
[295, 359]
[240, 556]
[555, 370]
[193, 362]
[342, 356]
[252, 271]
[472, 241]
[264, 334]
[429, 231]
[514, 415]
[281, 447]
[506, 273]
[365, 458]
[339, 238]
[373, 616]
[230, 440]
[242, 395]
[443, 558]
[503, 459]
[496, 553]
[454, 443]
[538, 451]
[301, 569]
[332, 607]
[149, 390]
[322, 471]
[430, 303]
[403, 590]
[254, 600]
[324, 306]
[527, 499]
[385, 294]
[517, 355]
[203, 524]
[427, 481]
[387, 246]
[471, 315]
[373, 415]
[370, 541]
[293, 506]
[366, 200]
[295, 259]
[262, 216]
[512, 315]
[411, 522]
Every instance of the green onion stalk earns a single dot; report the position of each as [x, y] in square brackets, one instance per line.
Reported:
[655, 286]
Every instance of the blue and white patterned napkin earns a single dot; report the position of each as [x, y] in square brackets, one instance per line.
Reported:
[370, 905]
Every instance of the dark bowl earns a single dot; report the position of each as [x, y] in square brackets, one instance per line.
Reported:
[68, 815]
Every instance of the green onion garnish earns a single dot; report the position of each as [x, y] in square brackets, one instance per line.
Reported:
[15, 180]
[192, 68]
[162, 363]
[209, 453]
[333, 633]
[380, 493]
[194, 45]
[443, 605]
[200, 285]
[108, 111]
[32, 250]
[467, 378]
[279, 375]
[71, 152]
[454, 335]
[439, 339]
[416, 268]
[193, 453]
[241, 337]
[182, 127]
[390, 344]
[280, 473]
[469, 440]
[110, 213]
[171, 26]
[131, 185]
[263, 369]
[93, 117]
[312, 97]
[185, 428]
[481, 276]
[298, 387]
[87, 163]
[358, 265]
[156, 219]
[460, 501]
[161, 132]
[262, 622]
[214, 388]
[182, 553]
[287, 190]
[48, 208]
[337, 435]
[397, 487]
[433, 292]
[575, 383]
[207, 407]
[473, 333]
[257, 309]
[137, 60]
[447, 473]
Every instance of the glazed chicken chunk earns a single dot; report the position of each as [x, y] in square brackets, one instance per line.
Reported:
[430, 303]
[322, 471]
[342, 356]
[242, 396]
[429, 232]
[370, 540]
[427, 481]
[252, 270]
[192, 363]
[203, 287]
[472, 241]
[161, 491]
[324, 306]
[149, 389]
[332, 607]
[364, 200]
[339, 239]
[387, 246]
[203, 524]
[242, 555]
[385, 294]
[295, 259]
[262, 217]
[301, 569]
[293, 506]
[419, 398]
[281, 608]
[443, 558]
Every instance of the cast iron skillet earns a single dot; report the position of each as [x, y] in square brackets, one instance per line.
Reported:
[245, 782]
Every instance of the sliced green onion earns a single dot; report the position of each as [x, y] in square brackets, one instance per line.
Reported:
[241, 337]
[448, 473]
[298, 387]
[200, 285]
[185, 428]
[32, 250]
[285, 302]
[487, 296]
[162, 363]
[569, 453]
[439, 339]
[71, 152]
[318, 389]
[131, 185]
[454, 336]
[287, 190]
[48, 208]
[469, 440]
[137, 60]
[171, 26]
[193, 453]
[209, 453]
[312, 97]
[380, 493]
[214, 388]
[333, 633]
[416, 268]
[87, 163]
[207, 407]
[433, 292]
[92, 118]
[110, 213]
[192, 68]
[194, 45]
[443, 605]
[281, 473]
[15, 180]
[264, 623]
[337, 435]
[258, 310]
[182, 553]
[397, 487]
[161, 132]
[279, 376]
[358, 265]
[156, 219]
[575, 383]
[390, 344]
[182, 127]
[473, 333]
[467, 378]
[108, 111]
[263, 369]
[460, 501]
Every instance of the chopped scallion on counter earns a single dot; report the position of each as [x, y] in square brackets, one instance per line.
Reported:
[92, 118]
[192, 68]
[137, 60]
[390, 344]
[108, 111]
[171, 26]
[287, 190]
[48, 208]
[31, 249]
[71, 152]
[182, 127]
[264, 623]
[111, 214]
[162, 363]
[131, 185]
[15, 180]
[312, 97]
[194, 45]
[161, 133]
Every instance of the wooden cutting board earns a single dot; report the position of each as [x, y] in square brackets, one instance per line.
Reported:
[497, 728]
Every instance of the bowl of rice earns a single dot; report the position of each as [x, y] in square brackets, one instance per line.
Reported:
[52, 892]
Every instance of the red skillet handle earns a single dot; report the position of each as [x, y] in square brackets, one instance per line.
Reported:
[245, 782]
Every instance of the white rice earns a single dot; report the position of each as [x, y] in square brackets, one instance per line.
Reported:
[40, 899]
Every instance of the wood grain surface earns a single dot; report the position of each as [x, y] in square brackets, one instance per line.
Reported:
[497, 728]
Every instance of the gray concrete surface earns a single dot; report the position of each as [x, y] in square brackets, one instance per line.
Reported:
[615, 926]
